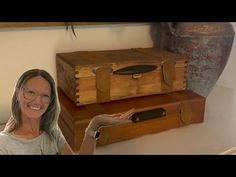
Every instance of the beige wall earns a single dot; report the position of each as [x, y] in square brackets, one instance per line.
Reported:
[25, 48]
[228, 76]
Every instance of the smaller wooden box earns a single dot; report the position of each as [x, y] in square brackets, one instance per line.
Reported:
[88, 77]
[182, 108]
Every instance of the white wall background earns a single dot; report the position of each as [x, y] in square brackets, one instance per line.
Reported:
[228, 76]
[26, 48]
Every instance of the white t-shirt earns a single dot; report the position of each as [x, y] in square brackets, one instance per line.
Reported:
[41, 145]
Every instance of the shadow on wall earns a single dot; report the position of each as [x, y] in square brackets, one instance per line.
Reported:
[5, 116]
[227, 97]
[157, 31]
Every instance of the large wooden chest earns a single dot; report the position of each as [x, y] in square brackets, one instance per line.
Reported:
[181, 108]
[100, 76]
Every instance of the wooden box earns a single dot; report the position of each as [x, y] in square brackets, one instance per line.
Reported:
[182, 108]
[100, 76]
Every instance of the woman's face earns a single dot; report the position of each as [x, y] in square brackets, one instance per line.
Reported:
[34, 97]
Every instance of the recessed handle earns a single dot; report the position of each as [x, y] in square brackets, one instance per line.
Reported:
[147, 115]
[135, 69]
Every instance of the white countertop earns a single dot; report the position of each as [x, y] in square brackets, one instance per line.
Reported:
[216, 134]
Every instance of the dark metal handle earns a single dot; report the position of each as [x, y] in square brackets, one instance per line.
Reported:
[147, 115]
[136, 69]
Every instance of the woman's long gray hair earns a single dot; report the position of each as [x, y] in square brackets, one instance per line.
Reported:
[50, 117]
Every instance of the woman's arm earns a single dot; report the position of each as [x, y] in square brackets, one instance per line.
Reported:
[87, 147]
[10, 125]
[66, 150]
[231, 151]
[89, 143]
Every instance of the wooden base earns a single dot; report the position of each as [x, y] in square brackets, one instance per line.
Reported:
[182, 108]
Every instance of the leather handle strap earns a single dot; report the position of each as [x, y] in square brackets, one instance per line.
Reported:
[168, 75]
[185, 112]
[103, 79]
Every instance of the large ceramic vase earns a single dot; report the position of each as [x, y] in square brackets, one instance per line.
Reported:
[207, 46]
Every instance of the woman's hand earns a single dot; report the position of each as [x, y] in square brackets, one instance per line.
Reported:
[110, 119]
[10, 125]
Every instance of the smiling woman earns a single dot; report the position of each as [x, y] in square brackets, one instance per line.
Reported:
[33, 128]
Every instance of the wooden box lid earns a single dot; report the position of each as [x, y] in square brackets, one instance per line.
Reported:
[82, 60]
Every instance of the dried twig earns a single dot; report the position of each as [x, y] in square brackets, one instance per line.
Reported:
[72, 27]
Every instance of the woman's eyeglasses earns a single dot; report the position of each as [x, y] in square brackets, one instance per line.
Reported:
[32, 95]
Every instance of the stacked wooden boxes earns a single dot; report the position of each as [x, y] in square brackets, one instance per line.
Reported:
[99, 82]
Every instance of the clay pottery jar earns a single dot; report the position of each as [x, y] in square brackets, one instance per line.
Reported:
[207, 45]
